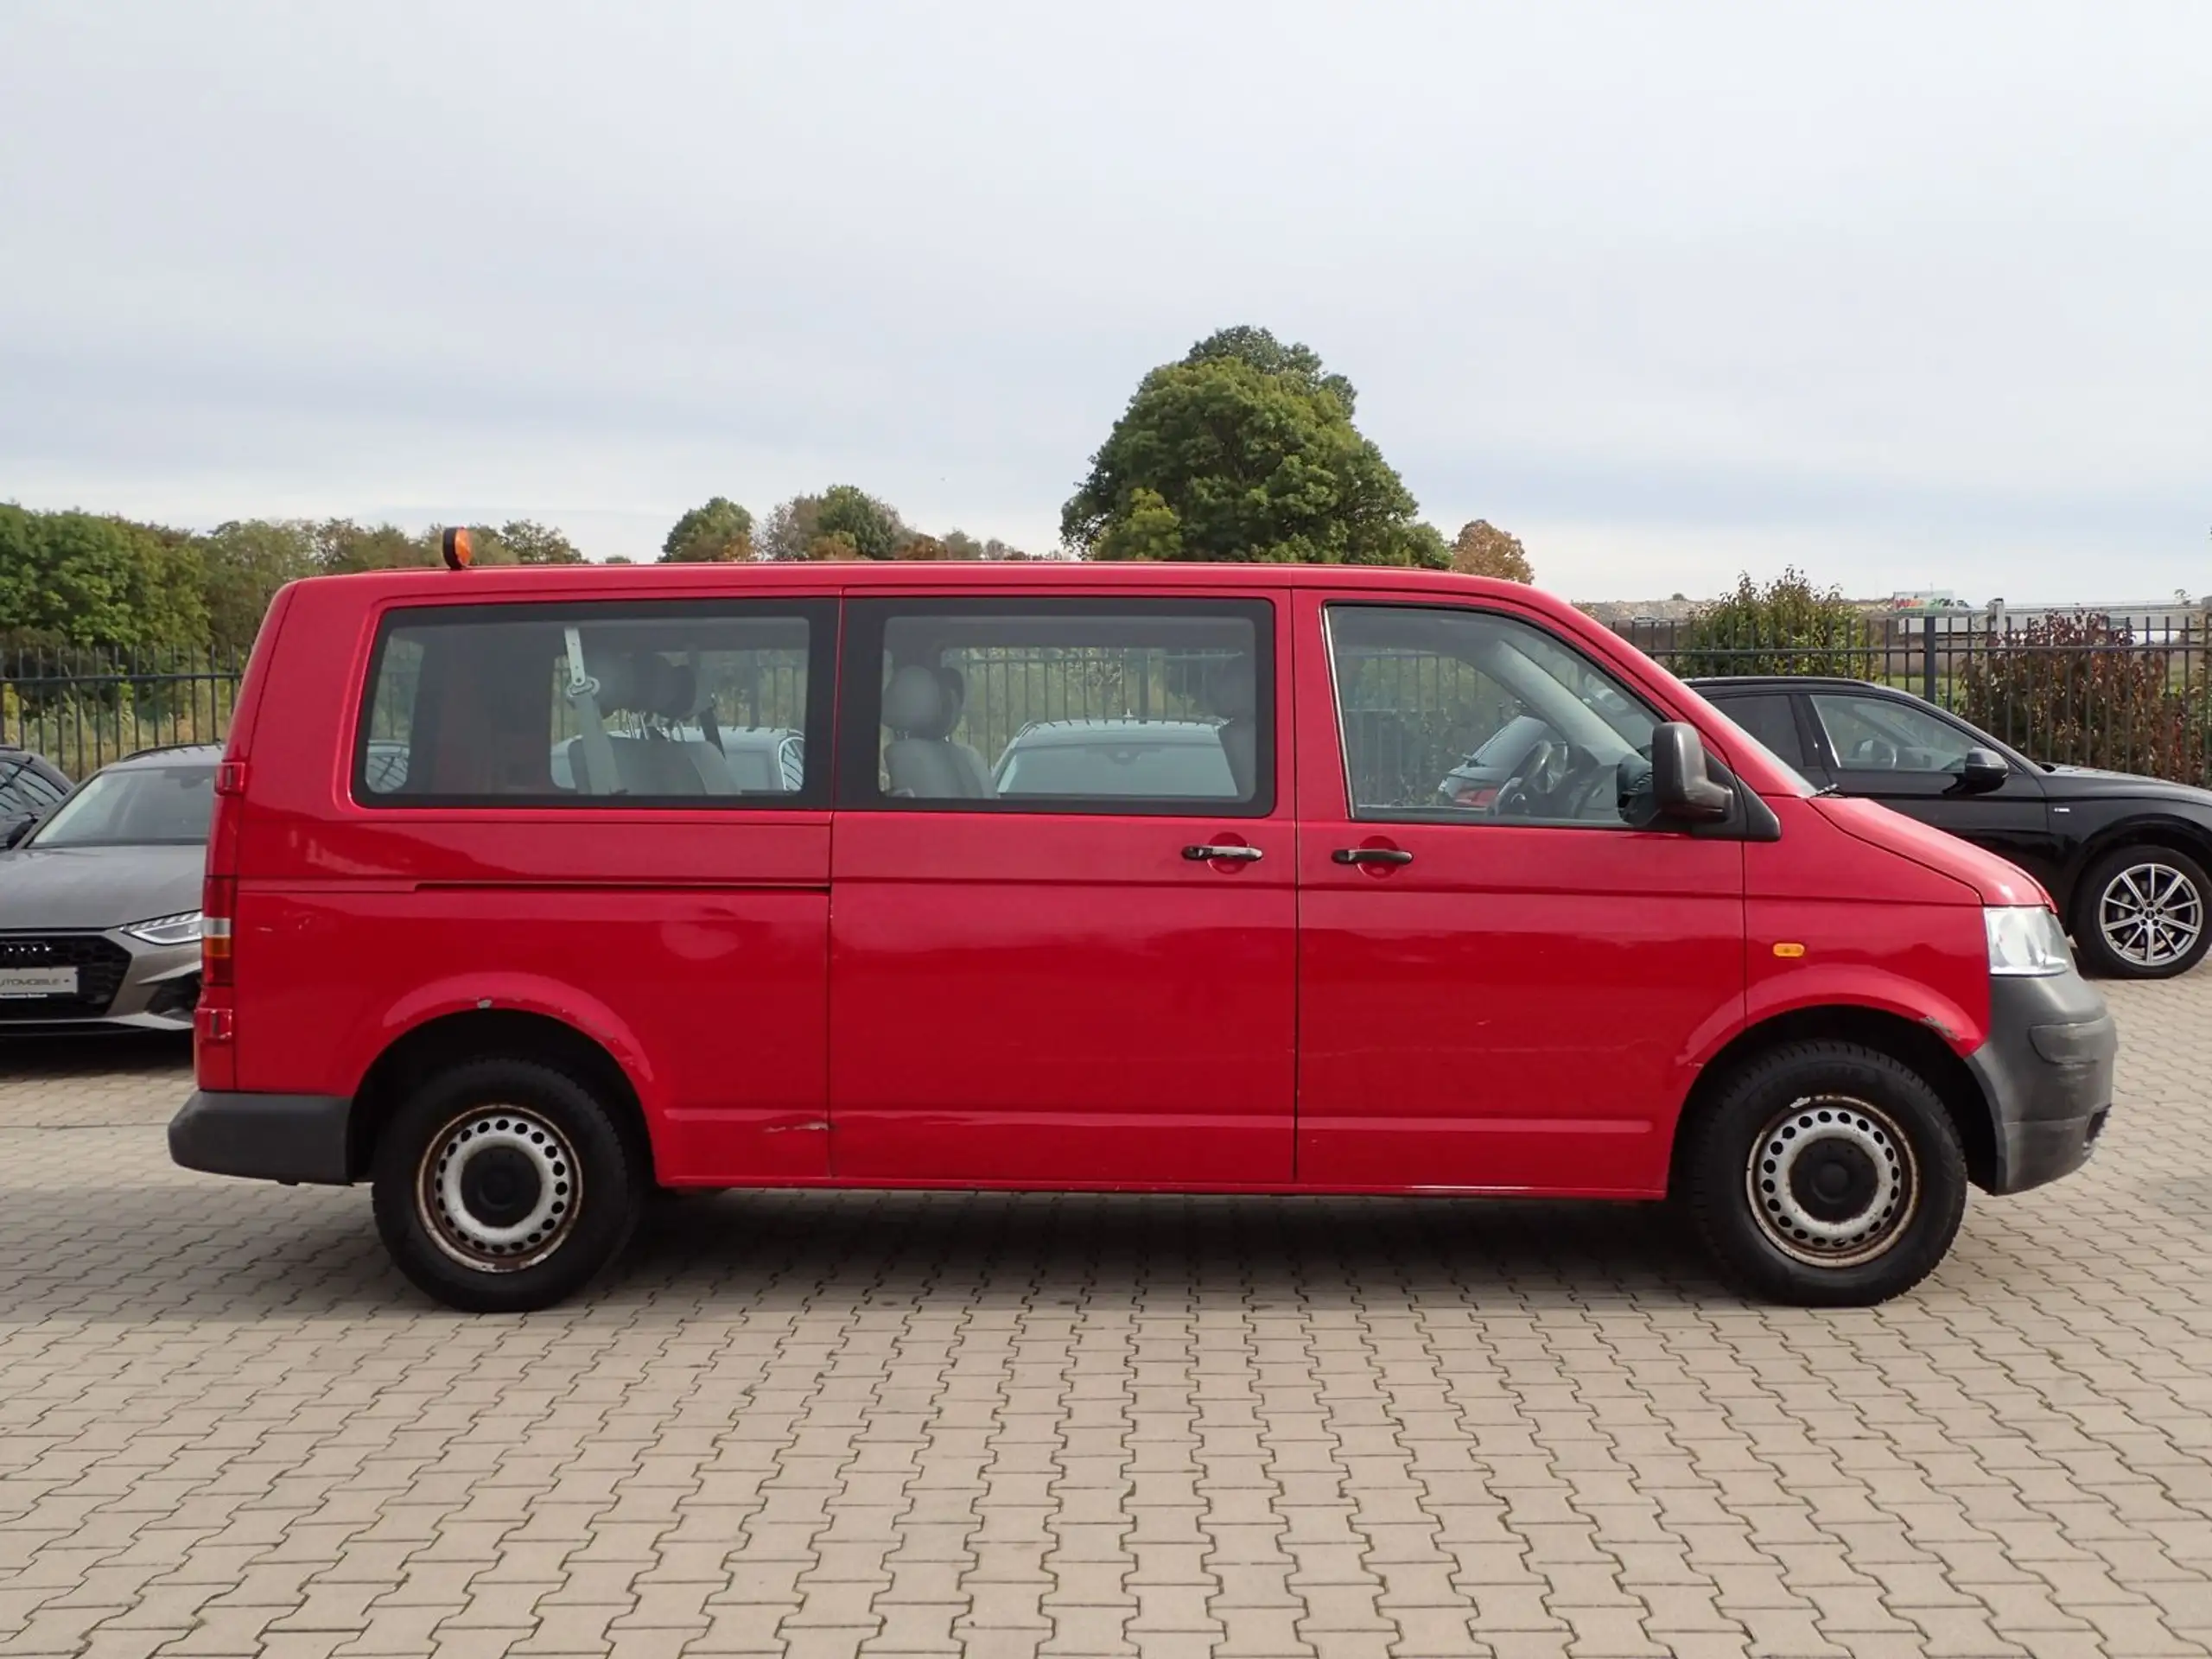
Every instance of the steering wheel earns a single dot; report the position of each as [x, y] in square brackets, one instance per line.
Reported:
[1542, 770]
[1878, 754]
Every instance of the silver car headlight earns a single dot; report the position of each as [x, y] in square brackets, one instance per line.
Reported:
[2025, 940]
[179, 929]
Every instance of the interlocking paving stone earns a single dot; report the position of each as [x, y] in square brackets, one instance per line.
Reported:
[923, 1424]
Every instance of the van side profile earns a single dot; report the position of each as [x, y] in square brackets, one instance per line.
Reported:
[531, 891]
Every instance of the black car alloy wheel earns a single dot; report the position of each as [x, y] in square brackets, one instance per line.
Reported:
[2142, 913]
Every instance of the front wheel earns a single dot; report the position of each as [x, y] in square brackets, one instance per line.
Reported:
[1825, 1174]
[2140, 913]
[502, 1186]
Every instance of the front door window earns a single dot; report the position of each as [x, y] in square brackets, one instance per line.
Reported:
[1468, 717]
[1875, 734]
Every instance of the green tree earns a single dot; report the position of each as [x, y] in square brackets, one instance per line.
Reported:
[791, 529]
[83, 580]
[1245, 451]
[1262, 351]
[1483, 549]
[342, 546]
[869, 524]
[247, 561]
[833, 547]
[535, 543]
[1788, 627]
[721, 532]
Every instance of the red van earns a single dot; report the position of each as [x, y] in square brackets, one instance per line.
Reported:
[532, 891]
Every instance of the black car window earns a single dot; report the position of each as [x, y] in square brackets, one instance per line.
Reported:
[1767, 716]
[1876, 734]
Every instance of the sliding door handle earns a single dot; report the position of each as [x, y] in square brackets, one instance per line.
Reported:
[1372, 855]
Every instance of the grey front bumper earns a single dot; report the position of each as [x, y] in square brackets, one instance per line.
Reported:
[288, 1138]
[2047, 1071]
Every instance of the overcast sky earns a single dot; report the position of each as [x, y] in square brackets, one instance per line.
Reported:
[1916, 296]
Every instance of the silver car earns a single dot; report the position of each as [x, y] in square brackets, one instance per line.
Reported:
[99, 906]
[1170, 758]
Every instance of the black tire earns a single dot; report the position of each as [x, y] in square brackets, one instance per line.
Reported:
[1869, 1162]
[495, 1148]
[2174, 887]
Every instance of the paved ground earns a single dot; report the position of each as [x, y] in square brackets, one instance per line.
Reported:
[924, 1424]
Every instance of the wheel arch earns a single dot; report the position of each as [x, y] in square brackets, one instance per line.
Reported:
[452, 1040]
[1908, 1042]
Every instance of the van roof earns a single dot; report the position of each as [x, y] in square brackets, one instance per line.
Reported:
[950, 576]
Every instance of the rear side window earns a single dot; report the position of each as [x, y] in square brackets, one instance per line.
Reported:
[1059, 705]
[1768, 717]
[683, 704]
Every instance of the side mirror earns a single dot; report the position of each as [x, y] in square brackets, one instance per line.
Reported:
[14, 829]
[1680, 788]
[1985, 770]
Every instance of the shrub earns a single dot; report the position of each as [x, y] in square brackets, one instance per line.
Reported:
[1788, 627]
[2081, 690]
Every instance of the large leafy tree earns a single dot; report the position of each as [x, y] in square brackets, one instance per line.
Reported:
[791, 529]
[247, 561]
[342, 546]
[77, 578]
[869, 524]
[1245, 450]
[719, 532]
[532, 543]
[1483, 549]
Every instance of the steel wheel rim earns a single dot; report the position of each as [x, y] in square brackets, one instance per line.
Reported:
[1832, 1182]
[2151, 915]
[499, 1189]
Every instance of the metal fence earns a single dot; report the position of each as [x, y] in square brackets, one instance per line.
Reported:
[83, 708]
[2131, 693]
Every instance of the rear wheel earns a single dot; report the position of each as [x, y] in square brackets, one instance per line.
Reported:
[502, 1186]
[2140, 913]
[1825, 1174]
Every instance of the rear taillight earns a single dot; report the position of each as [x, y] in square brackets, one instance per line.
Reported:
[216, 898]
[1475, 795]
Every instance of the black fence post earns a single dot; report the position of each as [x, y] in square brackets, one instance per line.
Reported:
[1928, 656]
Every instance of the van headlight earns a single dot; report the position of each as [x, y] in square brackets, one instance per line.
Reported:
[179, 929]
[2025, 940]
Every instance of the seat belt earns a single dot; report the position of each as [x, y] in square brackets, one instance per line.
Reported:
[583, 697]
[709, 725]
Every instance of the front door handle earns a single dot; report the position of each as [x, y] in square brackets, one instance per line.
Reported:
[1372, 855]
[1235, 855]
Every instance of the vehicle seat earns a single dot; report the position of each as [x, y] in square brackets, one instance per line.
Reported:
[977, 777]
[644, 683]
[920, 710]
[655, 766]
[1232, 695]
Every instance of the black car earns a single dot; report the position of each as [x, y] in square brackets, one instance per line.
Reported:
[2124, 856]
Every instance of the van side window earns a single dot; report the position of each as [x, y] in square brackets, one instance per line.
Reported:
[1467, 716]
[679, 704]
[1059, 705]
